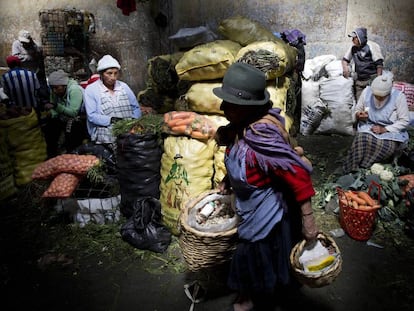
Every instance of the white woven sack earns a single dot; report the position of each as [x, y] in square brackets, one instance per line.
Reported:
[337, 94]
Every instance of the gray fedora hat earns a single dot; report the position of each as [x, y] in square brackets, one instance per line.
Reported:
[243, 84]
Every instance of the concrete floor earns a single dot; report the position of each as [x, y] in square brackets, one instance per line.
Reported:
[372, 278]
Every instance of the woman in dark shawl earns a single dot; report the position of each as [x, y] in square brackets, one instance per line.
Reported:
[272, 186]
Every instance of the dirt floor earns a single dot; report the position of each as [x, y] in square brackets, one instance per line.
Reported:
[49, 263]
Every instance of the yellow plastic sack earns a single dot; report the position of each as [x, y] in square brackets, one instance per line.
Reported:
[207, 61]
[7, 187]
[274, 58]
[218, 161]
[186, 171]
[25, 144]
[278, 91]
[201, 99]
[245, 31]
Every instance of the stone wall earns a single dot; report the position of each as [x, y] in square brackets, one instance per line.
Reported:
[326, 24]
[131, 39]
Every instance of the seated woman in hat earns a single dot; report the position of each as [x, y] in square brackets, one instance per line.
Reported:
[107, 101]
[63, 114]
[382, 118]
[271, 183]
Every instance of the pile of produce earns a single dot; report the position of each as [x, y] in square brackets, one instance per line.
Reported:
[62, 186]
[360, 200]
[392, 200]
[65, 163]
[261, 59]
[188, 123]
[407, 185]
[146, 124]
[66, 170]
[214, 213]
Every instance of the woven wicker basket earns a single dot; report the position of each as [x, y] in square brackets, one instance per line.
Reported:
[358, 224]
[324, 277]
[204, 249]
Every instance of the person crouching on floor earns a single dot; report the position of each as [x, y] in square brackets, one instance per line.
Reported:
[382, 118]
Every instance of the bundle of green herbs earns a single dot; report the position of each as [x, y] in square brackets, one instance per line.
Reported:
[146, 124]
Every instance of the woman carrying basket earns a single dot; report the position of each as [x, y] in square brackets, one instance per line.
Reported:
[272, 185]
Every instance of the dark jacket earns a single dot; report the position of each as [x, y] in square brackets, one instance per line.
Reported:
[365, 66]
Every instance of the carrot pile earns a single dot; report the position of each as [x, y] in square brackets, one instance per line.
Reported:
[188, 123]
[359, 200]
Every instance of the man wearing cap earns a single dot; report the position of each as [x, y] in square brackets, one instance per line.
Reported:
[107, 101]
[26, 49]
[21, 86]
[382, 118]
[63, 117]
[367, 58]
[31, 57]
[272, 187]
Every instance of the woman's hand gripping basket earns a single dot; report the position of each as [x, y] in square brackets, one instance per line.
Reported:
[358, 210]
[317, 277]
[206, 244]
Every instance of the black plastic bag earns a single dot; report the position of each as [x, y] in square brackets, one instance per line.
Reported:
[138, 168]
[144, 229]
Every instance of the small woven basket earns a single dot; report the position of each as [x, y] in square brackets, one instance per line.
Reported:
[204, 249]
[358, 224]
[325, 276]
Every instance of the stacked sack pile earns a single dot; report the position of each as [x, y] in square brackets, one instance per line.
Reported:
[327, 98]
[192, 163]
